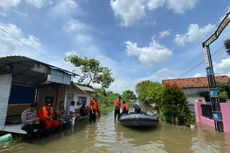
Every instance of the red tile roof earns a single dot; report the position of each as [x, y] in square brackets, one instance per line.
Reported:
[198, 82]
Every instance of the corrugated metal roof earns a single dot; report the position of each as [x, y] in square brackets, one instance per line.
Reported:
[22, 59]
[27, 71]
[84, 88]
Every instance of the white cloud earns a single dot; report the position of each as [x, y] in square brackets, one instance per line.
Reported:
[10, 46]
[65, 8]
[129, 12]
[194, 33]
[198, 75]
[77, 26]
[180, 6]
[154, 4]
[71, 52]
[80, 32]
[7, 4]
[36, 3]
[164, 34]
[122, 84]
[160, 75]
[154, 53]
[223, 67]
[26, 45]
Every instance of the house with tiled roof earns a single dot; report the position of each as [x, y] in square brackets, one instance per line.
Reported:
[196, 87]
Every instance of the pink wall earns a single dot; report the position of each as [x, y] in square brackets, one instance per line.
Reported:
[225, 110]
[199, 118]
[207, 121]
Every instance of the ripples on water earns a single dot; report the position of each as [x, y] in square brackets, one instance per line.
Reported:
[108, 135]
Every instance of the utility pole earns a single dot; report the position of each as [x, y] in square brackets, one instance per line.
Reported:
[213, 92]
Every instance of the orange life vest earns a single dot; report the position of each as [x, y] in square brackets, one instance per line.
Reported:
[117, 103]
[93, 105]
[43, 113]
[125, 107]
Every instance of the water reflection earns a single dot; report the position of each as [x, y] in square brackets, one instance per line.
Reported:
[208, 140]
[109, 136]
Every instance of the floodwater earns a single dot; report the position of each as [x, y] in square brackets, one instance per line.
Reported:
[106, 135]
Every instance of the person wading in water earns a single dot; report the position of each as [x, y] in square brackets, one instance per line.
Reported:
[117, 106]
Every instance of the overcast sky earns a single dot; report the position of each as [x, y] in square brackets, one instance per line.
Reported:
[137, 39]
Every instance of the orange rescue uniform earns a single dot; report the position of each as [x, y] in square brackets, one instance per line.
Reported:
[125, 107]
[93, 105]
[117, 104]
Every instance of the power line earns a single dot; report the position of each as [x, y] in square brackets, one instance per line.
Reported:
[21, 41]
[195, 46]
[31, 48]
[198, 64]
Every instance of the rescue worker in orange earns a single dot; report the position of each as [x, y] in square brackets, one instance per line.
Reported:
[43, 115]
[93, 108]
[125, 108]
[117, 106]
[98, 108]
[46, 117]
[51, 114]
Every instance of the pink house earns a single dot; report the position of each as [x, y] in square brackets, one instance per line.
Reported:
[225, 107]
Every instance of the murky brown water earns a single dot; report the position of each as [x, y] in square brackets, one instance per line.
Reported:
[108, 136]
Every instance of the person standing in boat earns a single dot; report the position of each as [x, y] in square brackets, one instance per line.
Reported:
[117, 106]
[125, 109]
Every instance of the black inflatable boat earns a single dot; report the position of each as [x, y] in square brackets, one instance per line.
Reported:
[139, 118]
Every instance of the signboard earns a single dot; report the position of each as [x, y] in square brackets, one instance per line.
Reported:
[59, 77]
[206, 57]
[209, 71]
[223, 24]
[217, 116]
[213, 93]
[218, 31]
[210, 40]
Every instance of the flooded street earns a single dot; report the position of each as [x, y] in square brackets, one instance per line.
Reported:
[108, 136]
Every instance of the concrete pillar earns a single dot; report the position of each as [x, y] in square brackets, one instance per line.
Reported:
[225, 107]
[197, 108]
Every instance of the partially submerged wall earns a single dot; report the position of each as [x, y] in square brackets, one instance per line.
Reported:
[225, 107]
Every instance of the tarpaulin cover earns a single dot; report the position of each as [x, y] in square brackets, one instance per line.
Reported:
[21, 95]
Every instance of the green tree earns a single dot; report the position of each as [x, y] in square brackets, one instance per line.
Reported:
[149, 92]
[92, 71]
[141, 89]
[227, 46]
[106, 99]
[224, 90]
[129, 95]
[174, 105]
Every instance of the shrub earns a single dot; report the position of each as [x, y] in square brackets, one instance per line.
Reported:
[174, 104]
